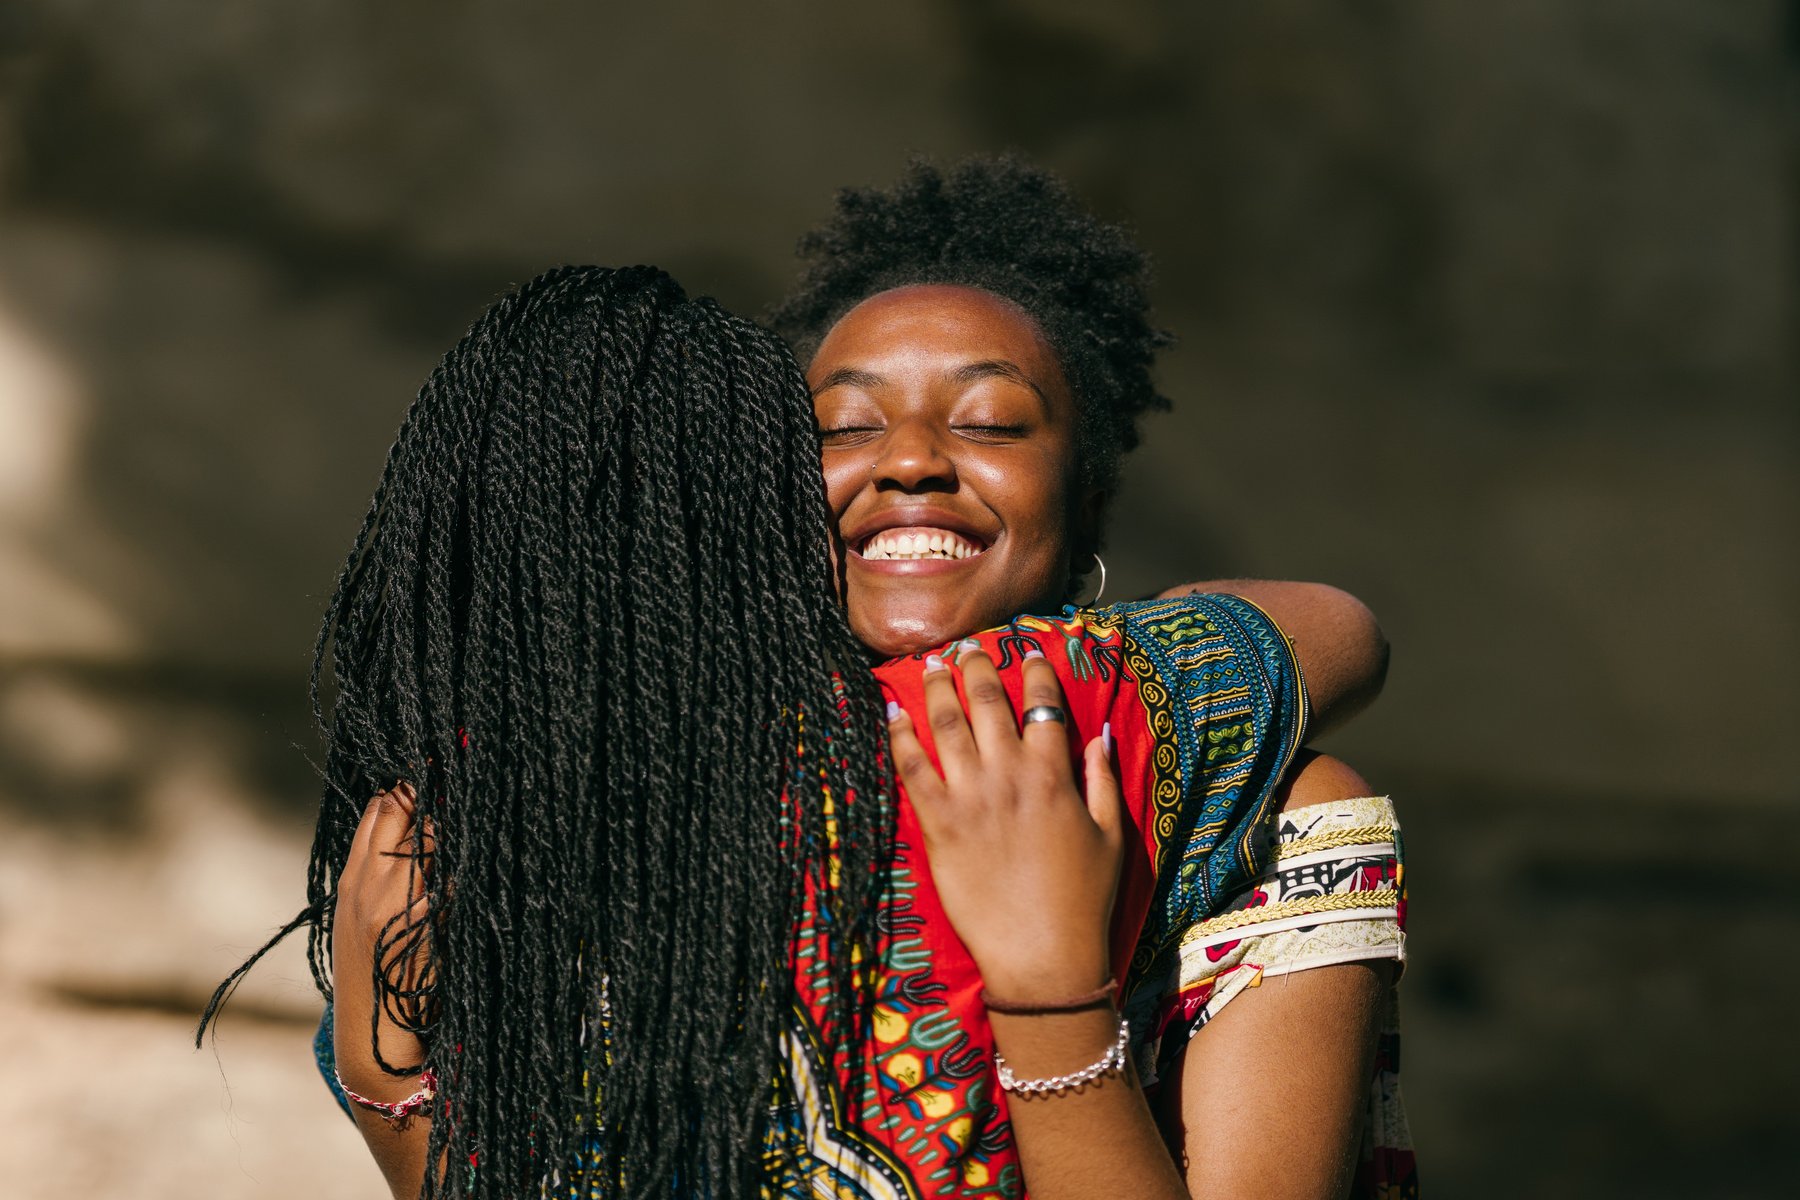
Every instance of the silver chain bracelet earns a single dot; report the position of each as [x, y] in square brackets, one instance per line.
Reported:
[1112, 1062]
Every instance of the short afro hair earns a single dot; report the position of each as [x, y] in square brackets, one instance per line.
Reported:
[1001, 224]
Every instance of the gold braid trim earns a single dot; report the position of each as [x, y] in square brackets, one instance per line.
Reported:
[1359, 836]
[1304, 906]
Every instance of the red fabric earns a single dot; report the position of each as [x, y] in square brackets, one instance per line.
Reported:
[938, 1120]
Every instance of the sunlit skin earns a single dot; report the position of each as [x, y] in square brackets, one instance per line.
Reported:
[944, 414]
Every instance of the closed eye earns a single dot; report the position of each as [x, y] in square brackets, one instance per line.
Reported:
[993, 432]
[839, 434]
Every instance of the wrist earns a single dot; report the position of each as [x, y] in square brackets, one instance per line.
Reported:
[1040, 984]
[1037, 1006]
[1115, 1061]
[1056, 1045]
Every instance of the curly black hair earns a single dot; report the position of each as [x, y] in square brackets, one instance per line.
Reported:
[1001, 224]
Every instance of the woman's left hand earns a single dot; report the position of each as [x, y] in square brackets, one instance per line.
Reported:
[1025, 868]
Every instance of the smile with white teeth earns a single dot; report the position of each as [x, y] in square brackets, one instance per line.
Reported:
[922, 544]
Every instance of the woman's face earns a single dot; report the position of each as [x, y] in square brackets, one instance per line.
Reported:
[949, 450]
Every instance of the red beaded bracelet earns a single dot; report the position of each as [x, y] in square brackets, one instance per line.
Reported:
[398, 1111]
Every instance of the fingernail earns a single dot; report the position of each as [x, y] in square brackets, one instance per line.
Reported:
[968, 644]
[933, 663]
[1034, 652]
[1106, 741]
[894, 710]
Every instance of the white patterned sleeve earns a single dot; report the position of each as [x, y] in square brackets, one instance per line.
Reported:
[1334, 891]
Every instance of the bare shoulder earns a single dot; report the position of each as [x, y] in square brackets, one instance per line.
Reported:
[1321, 779]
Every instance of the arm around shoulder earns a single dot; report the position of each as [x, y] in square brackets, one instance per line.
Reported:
[1342, 650]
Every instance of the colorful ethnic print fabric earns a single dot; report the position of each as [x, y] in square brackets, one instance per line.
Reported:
[1206, 707]
[1207, 710]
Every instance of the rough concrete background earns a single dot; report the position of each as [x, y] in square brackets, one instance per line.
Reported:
[1495, 304]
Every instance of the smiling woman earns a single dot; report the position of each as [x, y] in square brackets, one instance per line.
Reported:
[949, 451]
[980, 351]
[979, 359]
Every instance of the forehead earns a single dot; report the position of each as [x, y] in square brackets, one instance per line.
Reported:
[936, 327]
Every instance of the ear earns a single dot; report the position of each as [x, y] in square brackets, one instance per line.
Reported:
[1087, 520]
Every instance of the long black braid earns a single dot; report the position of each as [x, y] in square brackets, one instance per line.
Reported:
[587, 616]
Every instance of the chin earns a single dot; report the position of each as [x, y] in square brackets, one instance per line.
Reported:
[901, 635]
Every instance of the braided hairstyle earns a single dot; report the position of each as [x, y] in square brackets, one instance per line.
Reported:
[998, 223]
[586, 616]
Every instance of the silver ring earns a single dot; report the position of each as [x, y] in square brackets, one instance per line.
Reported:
[1044, 712]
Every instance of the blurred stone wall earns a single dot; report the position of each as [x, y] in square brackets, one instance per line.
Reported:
[1486, 313]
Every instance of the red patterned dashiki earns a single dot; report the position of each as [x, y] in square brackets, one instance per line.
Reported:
[1206, 707]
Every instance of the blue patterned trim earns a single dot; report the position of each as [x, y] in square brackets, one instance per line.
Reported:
[1220, 684]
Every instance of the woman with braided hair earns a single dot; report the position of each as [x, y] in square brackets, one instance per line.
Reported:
[588, 658]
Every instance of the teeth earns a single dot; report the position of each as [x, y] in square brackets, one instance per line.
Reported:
[940, 544]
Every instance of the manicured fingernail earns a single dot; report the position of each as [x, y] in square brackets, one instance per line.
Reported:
[894, 710]
[1106, 741]
[966, 645]
[933, 663]
[1034, 652]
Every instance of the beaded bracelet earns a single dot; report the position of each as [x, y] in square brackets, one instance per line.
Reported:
[419, 1101]
[1112, 1062]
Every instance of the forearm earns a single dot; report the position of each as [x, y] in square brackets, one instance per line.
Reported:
[1271, 1095]
[399, 1154]
[380, 881]
[1099, 1140]
[398, 1147]
[1342, 651]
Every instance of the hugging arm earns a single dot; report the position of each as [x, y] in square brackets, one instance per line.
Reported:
[379, 885]
[1342, 651]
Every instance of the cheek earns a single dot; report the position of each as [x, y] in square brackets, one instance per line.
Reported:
[1034, 502]
[841, 482]
[1035, 506]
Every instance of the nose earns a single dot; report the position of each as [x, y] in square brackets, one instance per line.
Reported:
[913, 458]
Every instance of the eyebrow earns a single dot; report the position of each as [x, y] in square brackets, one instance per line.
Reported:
[997, 368]
[850, 376]
[987, 368]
